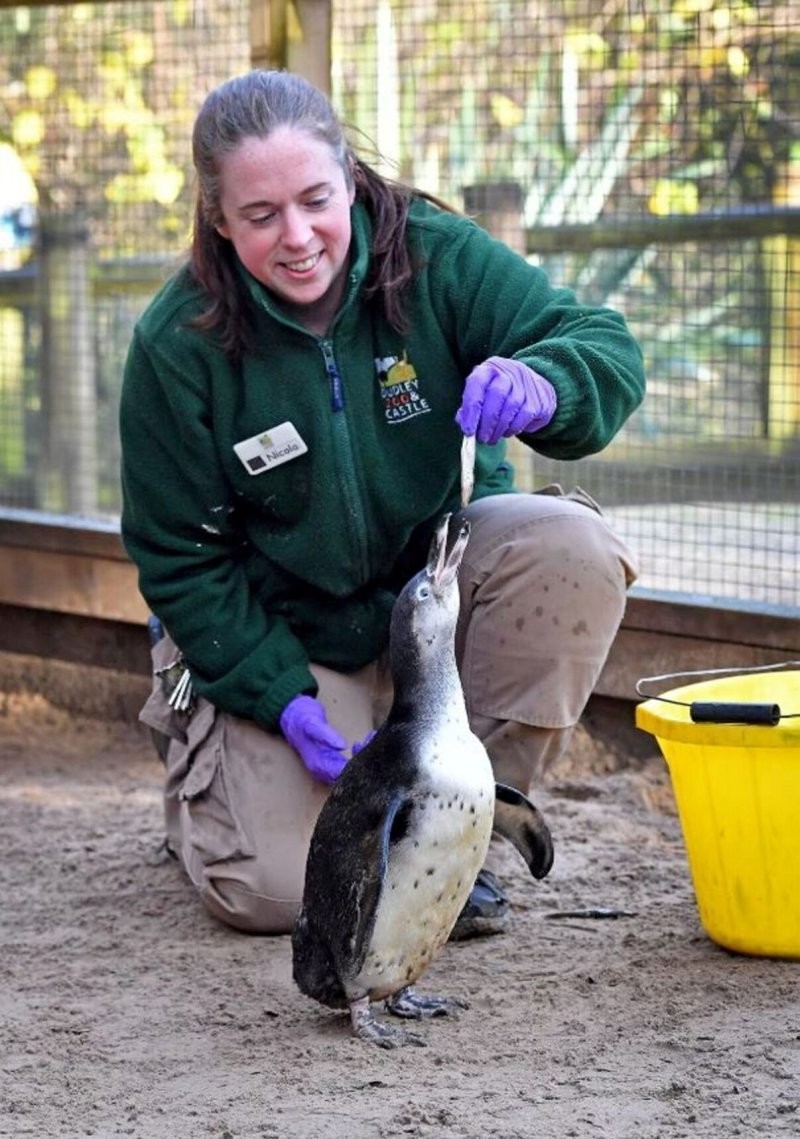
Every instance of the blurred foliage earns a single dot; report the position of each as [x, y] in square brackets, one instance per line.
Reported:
[496, 90]
[98, 101]
[621, 108]
[624, 109]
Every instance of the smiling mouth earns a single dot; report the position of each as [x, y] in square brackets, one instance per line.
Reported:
[304, 265]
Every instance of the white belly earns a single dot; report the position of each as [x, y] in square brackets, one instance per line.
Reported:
[431, 871]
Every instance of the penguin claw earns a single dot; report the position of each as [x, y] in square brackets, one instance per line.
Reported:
[414, 1006]
[367, 1027]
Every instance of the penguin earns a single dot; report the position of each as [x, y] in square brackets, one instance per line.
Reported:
[406, 828]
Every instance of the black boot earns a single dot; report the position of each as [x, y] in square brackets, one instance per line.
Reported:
[485, 911]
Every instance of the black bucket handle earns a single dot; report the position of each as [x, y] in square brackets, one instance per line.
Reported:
[722, 712]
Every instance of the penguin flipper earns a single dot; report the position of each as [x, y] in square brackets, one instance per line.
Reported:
[345, 871]
[516, 819]
[374, 851]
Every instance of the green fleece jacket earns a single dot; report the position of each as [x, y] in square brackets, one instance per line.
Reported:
[292, 547]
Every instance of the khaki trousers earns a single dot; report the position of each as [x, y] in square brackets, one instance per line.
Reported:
[543, 584]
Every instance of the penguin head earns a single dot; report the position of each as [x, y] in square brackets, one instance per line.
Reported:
[426, 612]
[434, 594]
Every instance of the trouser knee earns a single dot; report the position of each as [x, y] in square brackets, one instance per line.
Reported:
[543, 592]
[239, 905]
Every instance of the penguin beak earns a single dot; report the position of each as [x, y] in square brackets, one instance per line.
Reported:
[443, 566]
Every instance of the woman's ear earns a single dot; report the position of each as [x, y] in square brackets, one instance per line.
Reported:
[223, 231]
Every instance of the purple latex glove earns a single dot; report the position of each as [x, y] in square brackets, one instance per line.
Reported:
[504, 397]
[305, 726]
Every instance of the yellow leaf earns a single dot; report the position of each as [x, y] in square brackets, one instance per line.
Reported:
[505, 111]
[79, 111]
[27, 129]
[711, 57]
[587, 43]
[40, 82]
[738, 62]
[139, 50]
[113, 67]
[119, 189]
[670, 197]
[113, 117]
[166, 185]
[181, 12]
[692, 7]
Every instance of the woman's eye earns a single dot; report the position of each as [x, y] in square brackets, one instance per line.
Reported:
[318, 203]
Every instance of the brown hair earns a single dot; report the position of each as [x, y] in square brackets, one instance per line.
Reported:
[252, 106]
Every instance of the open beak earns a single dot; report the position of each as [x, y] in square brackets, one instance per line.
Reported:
[443, 566]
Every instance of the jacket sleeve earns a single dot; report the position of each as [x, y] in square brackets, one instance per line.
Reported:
[179, 527]
[501, 305]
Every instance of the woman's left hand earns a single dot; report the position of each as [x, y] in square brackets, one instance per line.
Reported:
[504, 397]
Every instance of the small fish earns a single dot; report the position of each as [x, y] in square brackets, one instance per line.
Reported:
[467, 469]
[599, 913]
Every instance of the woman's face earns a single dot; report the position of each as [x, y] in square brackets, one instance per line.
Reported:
[285, 204]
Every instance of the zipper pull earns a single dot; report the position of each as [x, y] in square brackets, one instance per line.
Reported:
[335, 380]
[337, 391]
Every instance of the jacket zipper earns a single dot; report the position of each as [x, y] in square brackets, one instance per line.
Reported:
[354, 511]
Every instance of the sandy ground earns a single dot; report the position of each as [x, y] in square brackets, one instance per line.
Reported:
[125, 1010]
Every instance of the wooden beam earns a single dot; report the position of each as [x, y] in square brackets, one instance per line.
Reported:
[57, 565]
[118, 646]
[671, 633]
[68, 592]
[48, 3]
[741, 223]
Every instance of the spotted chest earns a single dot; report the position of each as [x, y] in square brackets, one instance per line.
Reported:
[431, 869]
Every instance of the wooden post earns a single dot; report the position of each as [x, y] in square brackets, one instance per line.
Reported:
[310, 42]
[295, 35]
[497, 207]
[782, 264]
[67, 464]
[268, 33]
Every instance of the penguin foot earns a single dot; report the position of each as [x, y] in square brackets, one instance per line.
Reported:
[367, 1027]
[414, 1006]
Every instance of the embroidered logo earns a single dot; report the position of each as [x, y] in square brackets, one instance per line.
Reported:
[399, 389]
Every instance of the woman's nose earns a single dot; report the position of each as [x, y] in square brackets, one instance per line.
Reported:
[296, 228]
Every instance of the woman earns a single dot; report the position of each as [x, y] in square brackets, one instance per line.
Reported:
[292, 413]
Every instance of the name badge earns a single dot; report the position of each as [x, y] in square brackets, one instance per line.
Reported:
[270, 448]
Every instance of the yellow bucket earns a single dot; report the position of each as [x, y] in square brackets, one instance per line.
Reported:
[737, 788]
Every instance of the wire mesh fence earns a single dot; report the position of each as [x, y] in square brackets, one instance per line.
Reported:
[636, 151]
[96, 108]
[647, 155]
